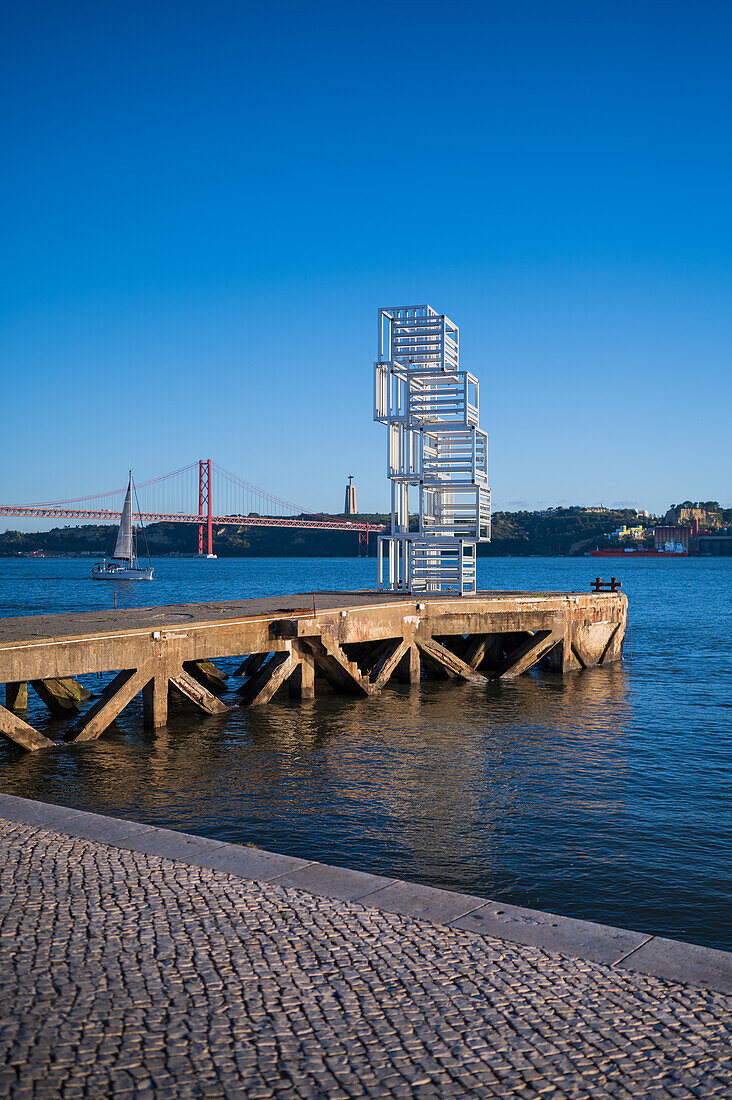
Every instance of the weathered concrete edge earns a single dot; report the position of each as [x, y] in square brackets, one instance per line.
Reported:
[673, 960]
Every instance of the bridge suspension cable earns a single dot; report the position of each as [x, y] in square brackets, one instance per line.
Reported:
[190, 495]
[241, 497]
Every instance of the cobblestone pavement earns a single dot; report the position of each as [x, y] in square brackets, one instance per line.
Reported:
[125, 974]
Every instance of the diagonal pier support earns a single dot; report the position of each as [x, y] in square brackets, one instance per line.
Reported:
[331, 660]
[251, 664]
[483, 649]
[388, 662]
[197, 694]
[207, 673]
[116, 696]
[261, 687]
[18, 731]
[449, 662]
[62, 696]
[528, 653]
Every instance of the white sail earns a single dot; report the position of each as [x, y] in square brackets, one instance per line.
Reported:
[124, 565]
[123, 545]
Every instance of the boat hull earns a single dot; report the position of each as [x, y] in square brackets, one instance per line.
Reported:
[639, 554]
[122, 574]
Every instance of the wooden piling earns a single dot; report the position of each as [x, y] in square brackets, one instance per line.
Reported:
[16, 695]
[302, 681]
[155, 702]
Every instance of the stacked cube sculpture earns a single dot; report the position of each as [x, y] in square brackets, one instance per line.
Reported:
[430, 409]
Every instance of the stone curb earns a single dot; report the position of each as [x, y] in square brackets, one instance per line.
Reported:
[672, 960]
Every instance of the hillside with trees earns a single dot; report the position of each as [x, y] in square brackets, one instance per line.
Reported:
[556, 532]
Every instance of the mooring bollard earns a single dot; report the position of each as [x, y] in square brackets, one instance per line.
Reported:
[599, 585]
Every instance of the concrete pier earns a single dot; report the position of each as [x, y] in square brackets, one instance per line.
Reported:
[356, 641]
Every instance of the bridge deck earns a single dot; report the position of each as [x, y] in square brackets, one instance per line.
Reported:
[357, 641]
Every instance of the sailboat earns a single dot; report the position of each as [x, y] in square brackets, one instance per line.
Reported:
[124, 565]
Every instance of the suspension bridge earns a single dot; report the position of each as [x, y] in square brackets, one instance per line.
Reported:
[187, 496]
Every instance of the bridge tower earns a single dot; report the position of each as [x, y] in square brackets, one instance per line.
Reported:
[205, 501]
[430, 409]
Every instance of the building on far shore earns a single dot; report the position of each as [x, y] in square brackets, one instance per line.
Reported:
[671, 535]
[718, 545]
[626, 532]
[350, 508]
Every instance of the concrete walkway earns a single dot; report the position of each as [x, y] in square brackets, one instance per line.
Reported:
[136, 961]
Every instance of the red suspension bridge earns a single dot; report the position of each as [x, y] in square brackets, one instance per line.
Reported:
[172, 499]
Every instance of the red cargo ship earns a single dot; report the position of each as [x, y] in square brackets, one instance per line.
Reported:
[639, 553]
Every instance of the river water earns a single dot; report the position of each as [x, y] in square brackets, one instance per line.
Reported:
[604, 794]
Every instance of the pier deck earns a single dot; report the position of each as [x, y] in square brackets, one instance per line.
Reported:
[356, 641]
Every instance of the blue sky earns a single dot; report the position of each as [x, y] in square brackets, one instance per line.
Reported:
[203, 205]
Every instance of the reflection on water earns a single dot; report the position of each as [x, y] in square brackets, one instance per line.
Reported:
[583, 794]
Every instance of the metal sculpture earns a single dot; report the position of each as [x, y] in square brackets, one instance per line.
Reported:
[430, 409]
